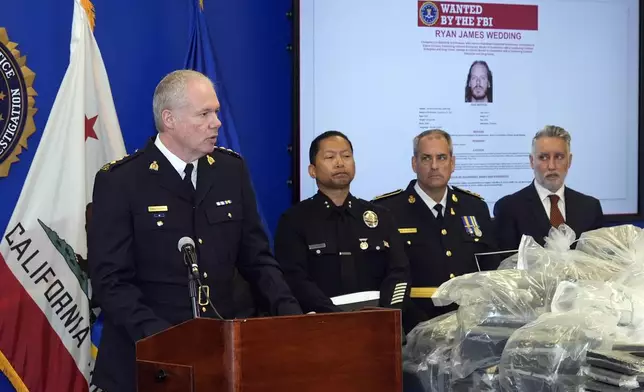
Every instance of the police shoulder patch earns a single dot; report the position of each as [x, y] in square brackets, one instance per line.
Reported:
[468, 192]
[227, 151]
[386, 195]
[114, 164]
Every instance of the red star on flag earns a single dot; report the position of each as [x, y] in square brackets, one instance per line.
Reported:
[89, 128]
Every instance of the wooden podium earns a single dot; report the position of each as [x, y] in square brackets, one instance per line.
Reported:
[354, 351]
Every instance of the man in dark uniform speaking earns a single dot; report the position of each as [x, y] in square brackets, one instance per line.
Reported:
[335, 243]
[179, 185]
[442, 227]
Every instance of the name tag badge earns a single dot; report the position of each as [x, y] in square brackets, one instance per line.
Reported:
[407, 230]
[317, 246]
[157, 208]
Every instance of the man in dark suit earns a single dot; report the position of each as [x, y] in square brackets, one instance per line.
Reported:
[547, 202]
[442, 227]
[179, 185]
[335, 243]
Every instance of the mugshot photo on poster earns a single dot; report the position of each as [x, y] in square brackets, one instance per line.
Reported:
[478, 86]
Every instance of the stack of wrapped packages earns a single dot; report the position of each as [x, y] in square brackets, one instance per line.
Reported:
[549, 319]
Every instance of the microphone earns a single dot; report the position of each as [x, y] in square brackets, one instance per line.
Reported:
[186, 246]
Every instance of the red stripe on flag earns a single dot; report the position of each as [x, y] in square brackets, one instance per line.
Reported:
[31, 345]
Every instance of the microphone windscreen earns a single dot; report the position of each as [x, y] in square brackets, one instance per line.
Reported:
[185, 241]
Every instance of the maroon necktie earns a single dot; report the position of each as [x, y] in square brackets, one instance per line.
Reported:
[556, 218]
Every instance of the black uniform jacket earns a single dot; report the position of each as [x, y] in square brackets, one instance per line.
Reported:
[438, 251]
[141, 209]
[328, 250]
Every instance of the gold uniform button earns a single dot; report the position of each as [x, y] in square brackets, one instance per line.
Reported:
[408, 242]
[444, 232]
[449, 253]
[452, 276]
[160, 223]
[205, 275]
[476, 240]
[203, 309]
[200, 241]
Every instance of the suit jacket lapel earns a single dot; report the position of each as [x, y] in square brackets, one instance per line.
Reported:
[164, 174]
[205, 177]
[536, 207]
[572, 218]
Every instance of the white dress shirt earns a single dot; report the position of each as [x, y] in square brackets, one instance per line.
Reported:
[545, 200]
[429, 201]
[176, 162]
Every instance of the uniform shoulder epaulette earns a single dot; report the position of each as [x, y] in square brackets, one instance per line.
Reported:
[468, 192]
[114, 164]
[228, 151]
[386, 195]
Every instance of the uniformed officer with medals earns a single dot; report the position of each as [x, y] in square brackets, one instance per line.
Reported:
[442, 227]
[335, 243]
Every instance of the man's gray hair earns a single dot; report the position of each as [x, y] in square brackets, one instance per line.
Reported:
[431, 132]
[551, 131]
[170, 93]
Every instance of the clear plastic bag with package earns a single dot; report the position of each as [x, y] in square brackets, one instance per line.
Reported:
[632, 277]
[428, 336]
[556, 259]
[623, 303]
[426, 354]
[556, 262]
[492, 305]
[623, 245]
[548, 354]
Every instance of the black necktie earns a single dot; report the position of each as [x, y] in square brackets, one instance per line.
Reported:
[347, 241]
[187, 179]
[439, 210]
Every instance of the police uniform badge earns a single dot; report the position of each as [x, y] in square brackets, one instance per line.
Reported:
[471, 226]
[370, 219]
[210, 159]
[154, 166]
[364, 245]
[411, 199]
[454, 198]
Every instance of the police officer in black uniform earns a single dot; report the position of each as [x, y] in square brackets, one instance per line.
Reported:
[179, 185]
[335, 243]
[442, 227]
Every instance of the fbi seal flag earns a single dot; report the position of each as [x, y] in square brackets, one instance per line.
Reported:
[16, 102]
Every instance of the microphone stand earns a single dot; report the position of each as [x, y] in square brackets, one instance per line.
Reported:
[192, 285]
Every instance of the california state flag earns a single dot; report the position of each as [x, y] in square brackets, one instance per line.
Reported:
[45, 340]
